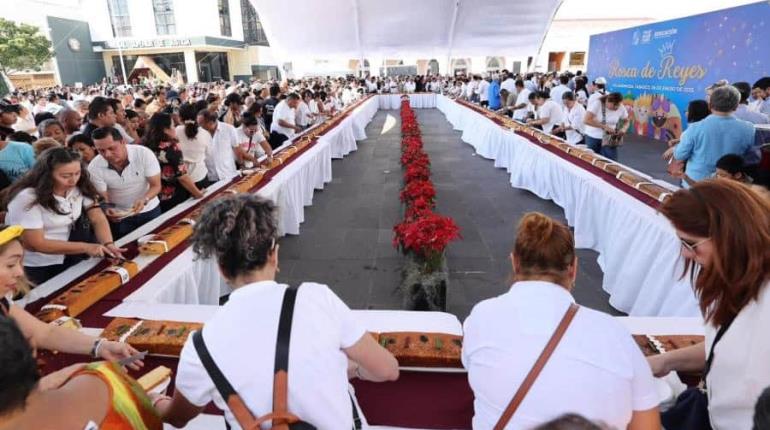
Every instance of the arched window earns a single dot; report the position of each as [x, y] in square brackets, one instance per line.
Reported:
[433, 67]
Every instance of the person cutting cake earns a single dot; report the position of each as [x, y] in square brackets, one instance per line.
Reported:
[728, 261]
[239, 233]
[81, 397]
[596, 369]
[46, 336]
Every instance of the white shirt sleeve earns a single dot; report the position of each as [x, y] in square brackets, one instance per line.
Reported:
[350, 328]
[150, 163]
[96, 177]
[20, 212]
[192, 380]
[643, 392]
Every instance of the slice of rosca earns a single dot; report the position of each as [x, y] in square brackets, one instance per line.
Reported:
[168, 238]
[85, 293]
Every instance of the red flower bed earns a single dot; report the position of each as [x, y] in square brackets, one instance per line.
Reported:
[422, 231]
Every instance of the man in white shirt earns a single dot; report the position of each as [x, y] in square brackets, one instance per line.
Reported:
[371, 85]
[558, 91]
[483, 91]
[572, 124]
[303, 116]
[522, 100]
[128, 177]
[284, 124]
[509, 84]
[221, 154]
[549, 113]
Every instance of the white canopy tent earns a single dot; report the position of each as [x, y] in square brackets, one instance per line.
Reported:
[359, 29]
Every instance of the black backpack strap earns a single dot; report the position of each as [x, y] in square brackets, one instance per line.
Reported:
[721, 332]
[237, 406]
[284, 330]
[216, 375]
[356, 418]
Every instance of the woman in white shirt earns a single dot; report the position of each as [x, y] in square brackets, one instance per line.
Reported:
[549, 113]
[603, 117]
[597, 370]
[48, 202]
[725, 232]
[572, 123]
[328, 344]
[253, 144]
[194, 142]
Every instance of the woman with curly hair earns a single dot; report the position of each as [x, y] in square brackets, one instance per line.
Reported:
[328, 345]
[176, 185]
[58, 207]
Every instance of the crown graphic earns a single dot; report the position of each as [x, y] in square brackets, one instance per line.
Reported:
[666, 49]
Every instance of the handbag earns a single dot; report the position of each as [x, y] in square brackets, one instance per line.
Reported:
[80, 231]
[542, 360]
[611, 140]
[690, 412]
[280, 417]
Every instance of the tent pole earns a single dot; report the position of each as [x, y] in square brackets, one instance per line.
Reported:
[545, 34]
[451, 38]
[357, 27]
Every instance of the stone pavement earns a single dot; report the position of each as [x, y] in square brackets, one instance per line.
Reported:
[345, 241]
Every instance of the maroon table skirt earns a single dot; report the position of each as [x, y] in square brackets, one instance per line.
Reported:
[425, 400]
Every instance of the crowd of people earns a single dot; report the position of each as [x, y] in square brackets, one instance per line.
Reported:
[84, 167]
[596, 370]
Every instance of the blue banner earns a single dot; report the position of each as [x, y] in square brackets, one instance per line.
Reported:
[661, 67]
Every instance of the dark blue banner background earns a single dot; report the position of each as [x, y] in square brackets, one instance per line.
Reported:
[660, 67]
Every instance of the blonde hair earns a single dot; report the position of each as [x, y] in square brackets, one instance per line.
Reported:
[44, 143]
[544, 248]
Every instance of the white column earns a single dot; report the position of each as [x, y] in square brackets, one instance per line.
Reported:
[190, 65]
[443, 66]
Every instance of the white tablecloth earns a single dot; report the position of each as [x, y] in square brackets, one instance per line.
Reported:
[638, 249]
[416, 101]
[184, 280]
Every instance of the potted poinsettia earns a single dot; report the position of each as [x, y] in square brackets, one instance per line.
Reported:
[423, 235]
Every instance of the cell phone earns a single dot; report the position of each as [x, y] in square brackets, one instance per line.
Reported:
[107, 205]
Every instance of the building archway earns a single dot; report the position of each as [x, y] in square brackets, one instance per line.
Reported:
[460, 66]
[433, 67]
[495, 64]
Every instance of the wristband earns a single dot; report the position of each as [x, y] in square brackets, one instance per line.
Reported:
[155, 402]
[95, 348]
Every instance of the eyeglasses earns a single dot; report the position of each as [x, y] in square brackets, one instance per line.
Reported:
[692, 247]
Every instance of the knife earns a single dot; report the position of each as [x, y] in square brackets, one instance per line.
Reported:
[136, 357]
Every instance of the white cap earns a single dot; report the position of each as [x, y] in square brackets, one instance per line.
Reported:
[600, 81]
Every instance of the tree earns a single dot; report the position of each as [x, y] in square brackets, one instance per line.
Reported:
[22, 46]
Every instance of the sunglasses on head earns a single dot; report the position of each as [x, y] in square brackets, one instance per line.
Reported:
[692, 246]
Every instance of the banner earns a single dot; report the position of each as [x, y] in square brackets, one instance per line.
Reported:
[659, 68]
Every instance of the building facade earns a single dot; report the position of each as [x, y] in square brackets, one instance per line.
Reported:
[173, 40]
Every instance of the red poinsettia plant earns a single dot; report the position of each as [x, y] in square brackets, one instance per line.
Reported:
[416, 172]
[422, 232]
[427, 235]
[417, 189]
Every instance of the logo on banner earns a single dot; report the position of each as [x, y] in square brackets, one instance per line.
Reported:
[635, 38]
[646, 36]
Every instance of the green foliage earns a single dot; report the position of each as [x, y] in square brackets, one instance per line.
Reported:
[22, 46]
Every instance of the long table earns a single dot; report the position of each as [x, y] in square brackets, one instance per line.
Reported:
[419, 399]
[638, 248]
[186, 280]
